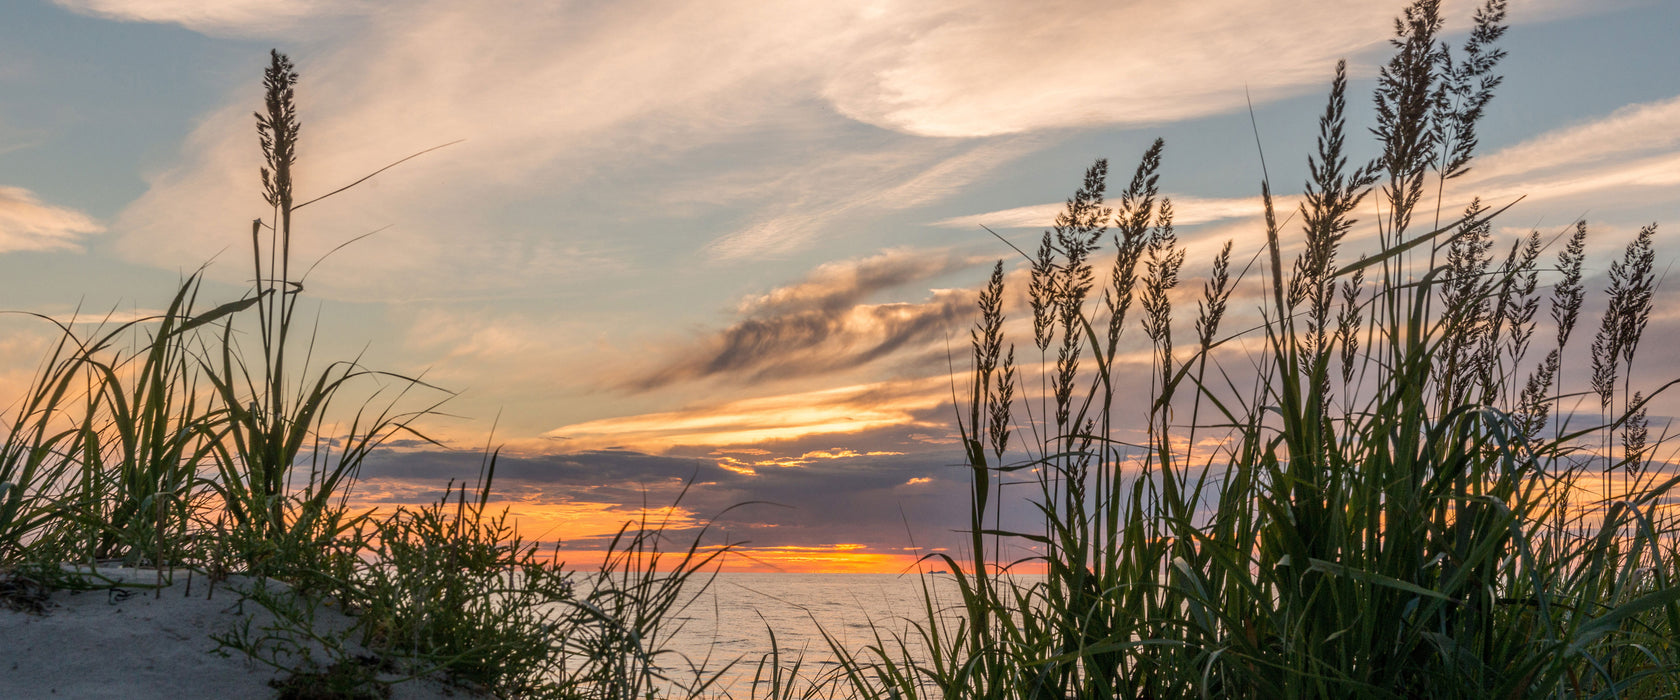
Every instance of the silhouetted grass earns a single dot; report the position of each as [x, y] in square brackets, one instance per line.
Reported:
[1384, 501]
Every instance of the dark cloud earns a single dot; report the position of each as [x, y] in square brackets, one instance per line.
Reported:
[840, 285]
[569, 469]
[824, 324]
[814, 342]
[886, 501]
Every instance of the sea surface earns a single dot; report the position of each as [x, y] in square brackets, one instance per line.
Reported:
[735, 617]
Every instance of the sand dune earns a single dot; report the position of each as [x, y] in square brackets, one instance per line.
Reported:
[130, 642]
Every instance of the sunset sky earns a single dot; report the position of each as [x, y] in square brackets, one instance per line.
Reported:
[734, 241]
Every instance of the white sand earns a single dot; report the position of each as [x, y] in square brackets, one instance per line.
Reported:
[102, 644]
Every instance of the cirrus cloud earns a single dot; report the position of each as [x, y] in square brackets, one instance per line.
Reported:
[591, 110]
[27, 223]
[220, 16]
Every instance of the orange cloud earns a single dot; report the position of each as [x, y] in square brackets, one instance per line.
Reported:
[726, 459]
[551, 521]
[838, 411]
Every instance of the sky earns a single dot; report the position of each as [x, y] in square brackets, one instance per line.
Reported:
[733, 243]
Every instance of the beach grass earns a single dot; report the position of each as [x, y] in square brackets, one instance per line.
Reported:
[1392, 498]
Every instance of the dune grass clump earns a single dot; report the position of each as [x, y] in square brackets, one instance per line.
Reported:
[455, 585]
[1391, 498]
[452, 589]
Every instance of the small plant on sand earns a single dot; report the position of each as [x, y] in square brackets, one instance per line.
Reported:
[454, 588]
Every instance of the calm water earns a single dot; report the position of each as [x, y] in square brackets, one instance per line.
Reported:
[733, 618]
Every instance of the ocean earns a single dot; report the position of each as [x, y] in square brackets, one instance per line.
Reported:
[733, 619]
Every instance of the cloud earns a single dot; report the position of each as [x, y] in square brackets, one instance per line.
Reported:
[838, 285]
[1631, 154]
[843, 498]
[839, 325]
[748, 461]
[1629, 158]
[220, 16]
[817, 342]
[1633, 130]
[910, 174]
[990, 67]
[26, 223]
[1635, 176]
[761, 420]
[813, 333]
[549, 98]
[1187, 211]
[822, 324]
[575, 113]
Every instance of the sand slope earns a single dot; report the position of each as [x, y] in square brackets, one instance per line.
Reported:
[137, 643]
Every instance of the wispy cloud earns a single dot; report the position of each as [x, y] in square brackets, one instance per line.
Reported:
[220, 16]
[906, 175]
[1623, 164]
[27, 223]
[1629, 160]
[989, 67]
[816, 342]
[1187, 211]
[773, 236]
[1631, 154]
[1633, 130]
[748, 461]
[549, 99]
[574, 113]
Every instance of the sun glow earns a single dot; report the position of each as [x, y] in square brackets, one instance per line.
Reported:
[842, 558]
[573, 534]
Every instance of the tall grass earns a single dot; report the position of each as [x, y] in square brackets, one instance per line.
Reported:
[274, 422]
[144, 436]
[1389, 499]
[100, 459]
[40, 435]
